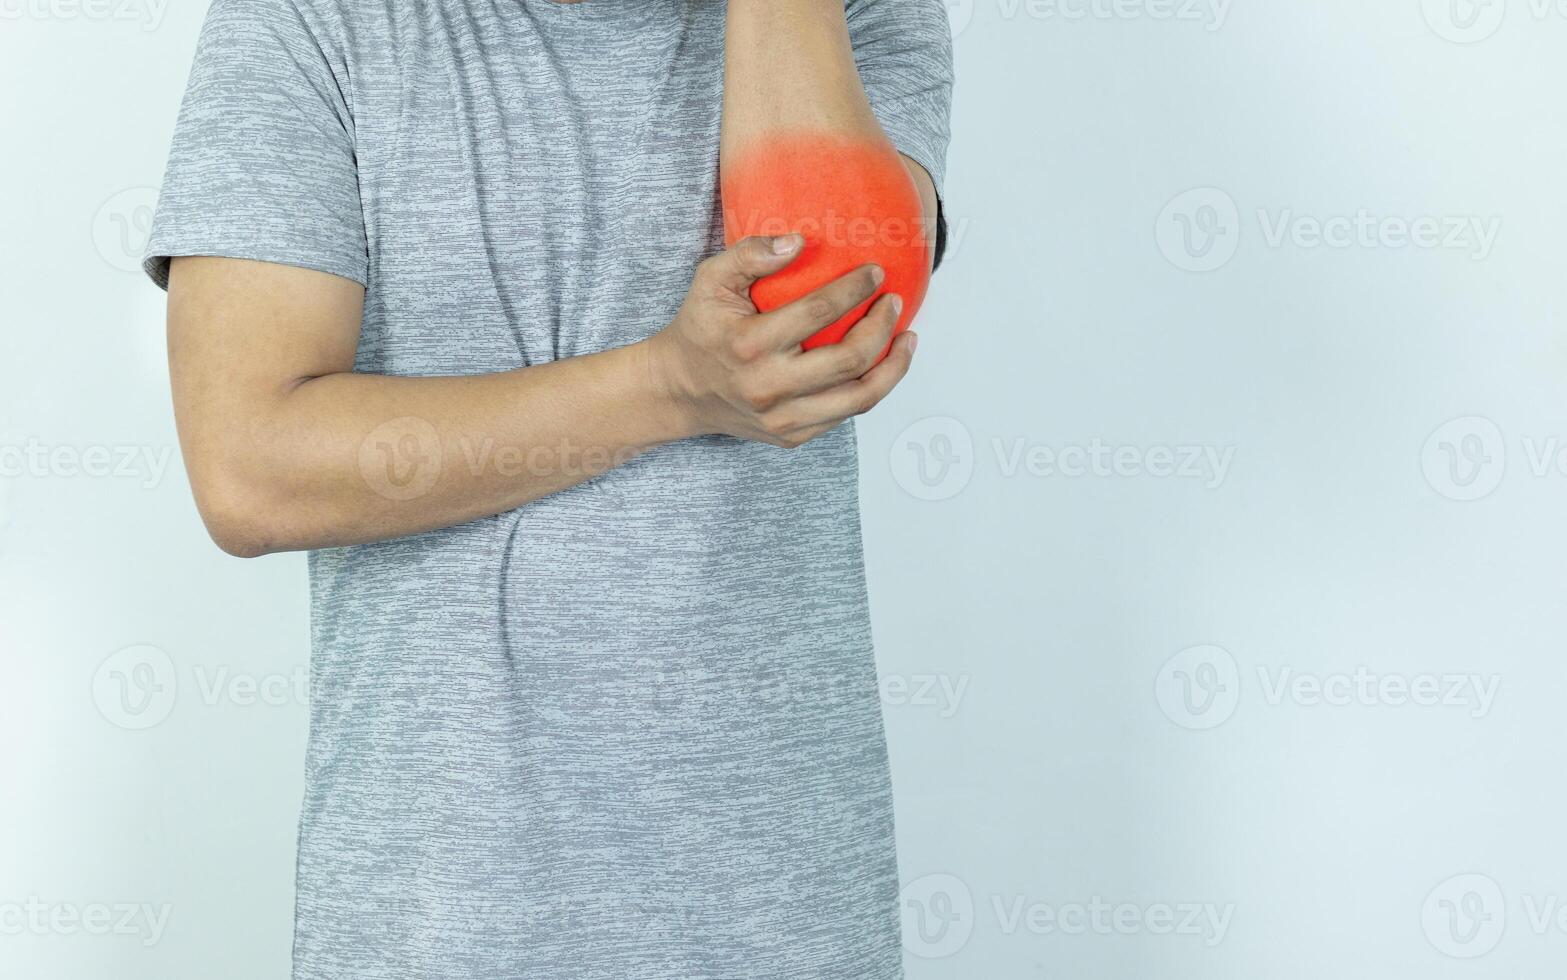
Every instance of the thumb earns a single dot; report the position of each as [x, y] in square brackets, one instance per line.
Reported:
[755, 258]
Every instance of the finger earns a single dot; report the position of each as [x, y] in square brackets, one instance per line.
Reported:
[789, 326]
[862, 394]
[750, 259]
[862, 347]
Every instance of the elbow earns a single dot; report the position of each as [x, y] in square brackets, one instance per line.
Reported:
[236, 542]
[237, 530]
[236, 515]
[857, 201]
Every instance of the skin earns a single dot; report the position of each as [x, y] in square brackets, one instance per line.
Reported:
[808, 85]
[281, 438]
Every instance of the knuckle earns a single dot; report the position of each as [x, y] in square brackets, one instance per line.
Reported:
[755, 251]
[744, 347]
[850, 361]
[760, 399]
[821, 309]
[781, 430]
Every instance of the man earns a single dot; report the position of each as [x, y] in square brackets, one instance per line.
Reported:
[592, 683]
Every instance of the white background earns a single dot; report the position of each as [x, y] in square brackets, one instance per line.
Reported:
[1215, 542]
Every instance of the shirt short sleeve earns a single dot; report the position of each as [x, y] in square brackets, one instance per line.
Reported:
[262, 165]
[904, 52]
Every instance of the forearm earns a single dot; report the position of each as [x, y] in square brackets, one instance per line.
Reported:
[351, 458]
[790, 66]
[802, 151]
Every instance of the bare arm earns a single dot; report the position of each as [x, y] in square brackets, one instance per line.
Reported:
[807, 83]
[288, 449]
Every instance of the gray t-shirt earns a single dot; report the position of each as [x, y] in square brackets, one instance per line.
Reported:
[631, 730]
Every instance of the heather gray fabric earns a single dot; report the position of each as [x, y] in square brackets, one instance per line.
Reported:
[632, 730]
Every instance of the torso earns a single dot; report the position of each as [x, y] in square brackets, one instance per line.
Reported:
[630, 730]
